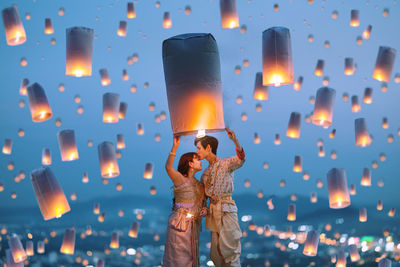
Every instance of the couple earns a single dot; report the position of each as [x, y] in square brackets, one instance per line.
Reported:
[190, 205]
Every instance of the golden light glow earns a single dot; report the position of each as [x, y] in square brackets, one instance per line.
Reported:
[201, 133]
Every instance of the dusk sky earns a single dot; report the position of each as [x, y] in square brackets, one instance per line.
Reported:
[46, 66]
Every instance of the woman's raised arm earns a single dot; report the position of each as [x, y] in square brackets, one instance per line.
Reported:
[172, 173]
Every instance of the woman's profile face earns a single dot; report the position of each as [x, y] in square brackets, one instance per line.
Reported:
[196, 164]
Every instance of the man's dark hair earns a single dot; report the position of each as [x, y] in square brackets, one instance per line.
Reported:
[208, 140]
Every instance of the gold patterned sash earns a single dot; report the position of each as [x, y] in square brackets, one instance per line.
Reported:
[214, 216]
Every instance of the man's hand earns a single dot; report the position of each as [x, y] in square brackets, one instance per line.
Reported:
[230, 133]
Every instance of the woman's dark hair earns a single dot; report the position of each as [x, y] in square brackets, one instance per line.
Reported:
[208, 140]
[183, 165]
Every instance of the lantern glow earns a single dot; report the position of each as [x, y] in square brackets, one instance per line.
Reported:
[14, 29]
[337, 188]
[108, 160]
[229, 14]
[68, 244]
[67, 144]
[38, 104]
[79, 51]
[323, 109]
[311, 244]
[384, 64]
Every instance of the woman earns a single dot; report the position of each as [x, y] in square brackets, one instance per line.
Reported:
[182, 242]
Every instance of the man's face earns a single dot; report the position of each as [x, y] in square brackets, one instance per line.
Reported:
[201, 151]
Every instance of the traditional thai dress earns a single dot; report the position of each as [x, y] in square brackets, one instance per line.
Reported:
[182, 242]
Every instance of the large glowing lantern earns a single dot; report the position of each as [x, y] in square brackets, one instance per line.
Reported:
[384, 64]
[341, 259]
[133, 232]
[366, 177]
[130, 12]
[311, 244]
[260, 91]
[297, 166]
[367, 95]
[148, 171]
[110, 108]
[291, 212]
[104, 77]
[79, 51]
[277, 57]
[7, 148]
[167, 22]
[108, 160]
[48, 26]
[193, 82]
[17, 250]
[40, 247]
[123, 26]
[355, 105]
[29, 248]
[319, 68]
[363, 138]
[355, 18]
[354, 255]
[68, 244]
[123, 107]
[367, 32]
[114, 240]
[38, 104]
[15, 32]
[323, 109]
[363, 215]
[229, 14]
[337, 188]
[46, 156]
[67, 144]
[10, 261]
[120, 141]
[293, 130]
[385, 262]
[349, 67]
[49, 194]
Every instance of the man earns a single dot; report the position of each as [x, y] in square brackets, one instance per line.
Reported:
[222, 219]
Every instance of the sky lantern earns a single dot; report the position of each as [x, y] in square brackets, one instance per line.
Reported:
[49, 194]
[385, 262]
[260, 91]
[68, 244]
[17, 250]
[229, 14]
[130, 12]
[125, 75]
[10, 261]
[167, 22]
[341, 259]
[379, 206]
[67, 144]
[85, 178]
[277, 140]
[384, 64]
[123, 107]
[24, 86]
[323, 109]
[321, 151]
[133, 232]
[297, 167]
[194, 90]
[313, 198]
[104, 77]
[353, 189]
[46, 156]
[291, 212]
[120, 141]
[139, 129]
[363, 215]
[392, 212]
[79, 51]
[29, 248]
[355, 18]
[355, 105]
[111, 107]
[337, 188]
[100, 263]
[297, 85]
[114, 240]
[148, 171]
[96, 208]
[277, 57]
[363, 138]
[38, 104]
[311, 244]
[319, 68]
[385, 123]
[349, 66]
[13, 27]
[332, 134]
[367, 95]
[108, 160]
[293, 130]
[367, 32]
[7, 148]
[366, 177]
[48, 26]
[123, 25]
[354, 255]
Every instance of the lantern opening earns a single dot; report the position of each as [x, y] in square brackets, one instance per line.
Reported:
[201, 133]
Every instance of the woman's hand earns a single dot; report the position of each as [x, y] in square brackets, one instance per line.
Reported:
[177, 140]
[203, 211]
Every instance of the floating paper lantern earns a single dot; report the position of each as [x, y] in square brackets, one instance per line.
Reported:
[96, 209]
[29, 248]
[120, 141]
[341, 259]
[123, 107]
[297, 167]
[363, 138]
[355, 105]
[354, 255]
[297, 85]
[385, 123]
[366, 177]
[345, 97]
[46, 156]
[85, 178]
[10, 261]
[7, 148]
[323, 109]
[114, 240]
[140, 129]
[337, 188]
[148, 171]
[167, 22]
[105, 78]
[123, 25]
[17, 250]
[367, 32]
[332, 134]
[229, 14]
[293, 130]
[193, 81]
[108, 160]
[384, 64]
[277, 57]
[130, 12]
[391, 212]
[352, 189]
[256, 138]
[311, 244]
[13, 27]
[363, 215]
[277, 140]
[321, 152]
[79, 51]
[355, 18]
[24, 86]
[48, 26]
[239, 99]
[367, 95]
[68, 244]
[260, 91]
[110, 107]
[319, 69]
[349, 67]
[38, 104]
[385, 263]
[100, 263]
[291, 212]
[333, 154]
[67, 144]
[313, 198]
[133, 232]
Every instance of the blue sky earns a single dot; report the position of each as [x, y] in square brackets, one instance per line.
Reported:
[46, 65]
